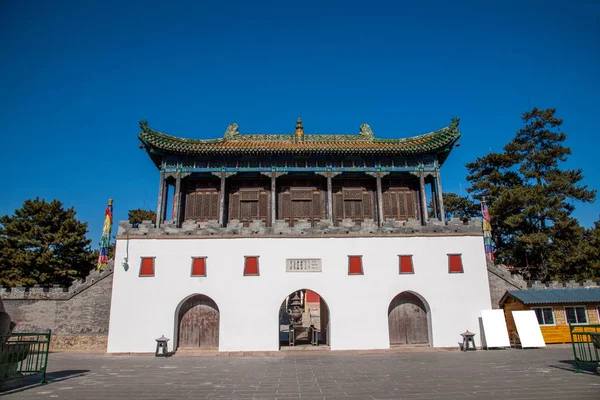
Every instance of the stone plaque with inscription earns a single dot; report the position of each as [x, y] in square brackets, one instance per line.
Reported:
[303, 265]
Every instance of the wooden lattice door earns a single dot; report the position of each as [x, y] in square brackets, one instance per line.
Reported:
[407, 319]
[202, 204]
[199, 323]
[301, 203]
[400, 204]
[355, 203]
[249, 204]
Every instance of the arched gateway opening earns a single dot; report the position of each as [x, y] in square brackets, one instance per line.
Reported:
[407, 320]
[303, 320]
[198, 323]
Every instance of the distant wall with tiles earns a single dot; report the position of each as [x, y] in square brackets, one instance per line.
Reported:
[78, 316]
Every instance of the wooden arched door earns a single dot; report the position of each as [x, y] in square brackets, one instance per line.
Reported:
[199, 323]
[407, 319]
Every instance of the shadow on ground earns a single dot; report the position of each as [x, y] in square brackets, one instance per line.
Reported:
[31, 382]
[571, 366]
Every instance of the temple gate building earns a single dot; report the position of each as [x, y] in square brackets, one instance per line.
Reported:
[263, 241]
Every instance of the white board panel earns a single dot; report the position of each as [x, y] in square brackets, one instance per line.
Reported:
[528, 329]
[495, 331]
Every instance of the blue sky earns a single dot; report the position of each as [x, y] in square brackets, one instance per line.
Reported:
[78, 76]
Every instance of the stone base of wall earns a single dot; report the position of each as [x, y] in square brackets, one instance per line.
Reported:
[79, 342]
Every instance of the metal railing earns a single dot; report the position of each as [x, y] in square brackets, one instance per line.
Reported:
[23, 354]
[586, 345]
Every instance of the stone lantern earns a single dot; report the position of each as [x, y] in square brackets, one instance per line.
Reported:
[468, 341]
[162, 349]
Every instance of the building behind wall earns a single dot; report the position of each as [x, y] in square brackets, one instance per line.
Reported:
[246, 220]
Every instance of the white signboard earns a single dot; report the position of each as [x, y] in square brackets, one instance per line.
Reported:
[303, 265]
[528, 329]
[495, 331]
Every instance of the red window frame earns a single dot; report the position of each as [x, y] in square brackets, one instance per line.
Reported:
[251, 267]
[406, 265]
[198, 266]
[147, 266]
[455, 264]
[355, 265]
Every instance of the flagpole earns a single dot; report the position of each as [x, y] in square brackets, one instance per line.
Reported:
[105, 239]
[487, 231]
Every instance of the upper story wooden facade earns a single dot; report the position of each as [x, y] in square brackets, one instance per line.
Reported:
[298, 176]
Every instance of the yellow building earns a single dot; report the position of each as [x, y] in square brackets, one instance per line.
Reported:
[555, 309]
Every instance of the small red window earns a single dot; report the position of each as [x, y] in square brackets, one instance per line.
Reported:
[198, 266]
[406, 265]
[251, 265]
[455, 263]
[147, 266]
[355, 265]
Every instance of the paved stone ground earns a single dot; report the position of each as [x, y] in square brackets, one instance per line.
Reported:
[506, 374]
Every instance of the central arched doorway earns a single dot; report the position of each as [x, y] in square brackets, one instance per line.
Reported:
[198, 322]
[303, 320]
[407, 320]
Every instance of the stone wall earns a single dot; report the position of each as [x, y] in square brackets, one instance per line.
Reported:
[78, 316]
[501, 280]
[302, 227]
[564, 285]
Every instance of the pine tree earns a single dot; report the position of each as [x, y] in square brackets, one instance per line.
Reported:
[139, 215]
[462, 207]
[531, 197]
[42, 243]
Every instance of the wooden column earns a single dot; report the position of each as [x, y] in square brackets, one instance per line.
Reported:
[440, 196]
[379, 200]
[177, 199]
[425, 217]
[329, 198]
[434, 198]
[273, 197]
[222, 200]
[162, 194]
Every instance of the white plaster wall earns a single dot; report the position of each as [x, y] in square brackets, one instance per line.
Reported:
[144, 308]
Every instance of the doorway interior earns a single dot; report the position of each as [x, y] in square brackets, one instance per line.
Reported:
[304, 321]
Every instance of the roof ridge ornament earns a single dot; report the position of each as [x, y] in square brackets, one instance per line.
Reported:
[232, 131]
[144, 126]
[366, 132]
[299, 130]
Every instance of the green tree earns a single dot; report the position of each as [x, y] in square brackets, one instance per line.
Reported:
[42, 243]
[461, 207]
[592, 239]
[138, 215]
[531, 195]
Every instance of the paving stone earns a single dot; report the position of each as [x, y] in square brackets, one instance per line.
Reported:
[510, 374]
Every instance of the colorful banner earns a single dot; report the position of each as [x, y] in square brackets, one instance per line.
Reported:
[487, 231]
[105, 240]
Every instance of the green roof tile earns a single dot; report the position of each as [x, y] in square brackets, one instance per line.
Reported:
[234, 143]
[557, 296]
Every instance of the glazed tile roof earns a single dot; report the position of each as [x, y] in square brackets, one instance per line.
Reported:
[362, 143]
[547, 296]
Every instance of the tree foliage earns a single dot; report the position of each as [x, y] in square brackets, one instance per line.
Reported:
[138, 215]
[42, 243]
[456, 206]
[531, 196]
